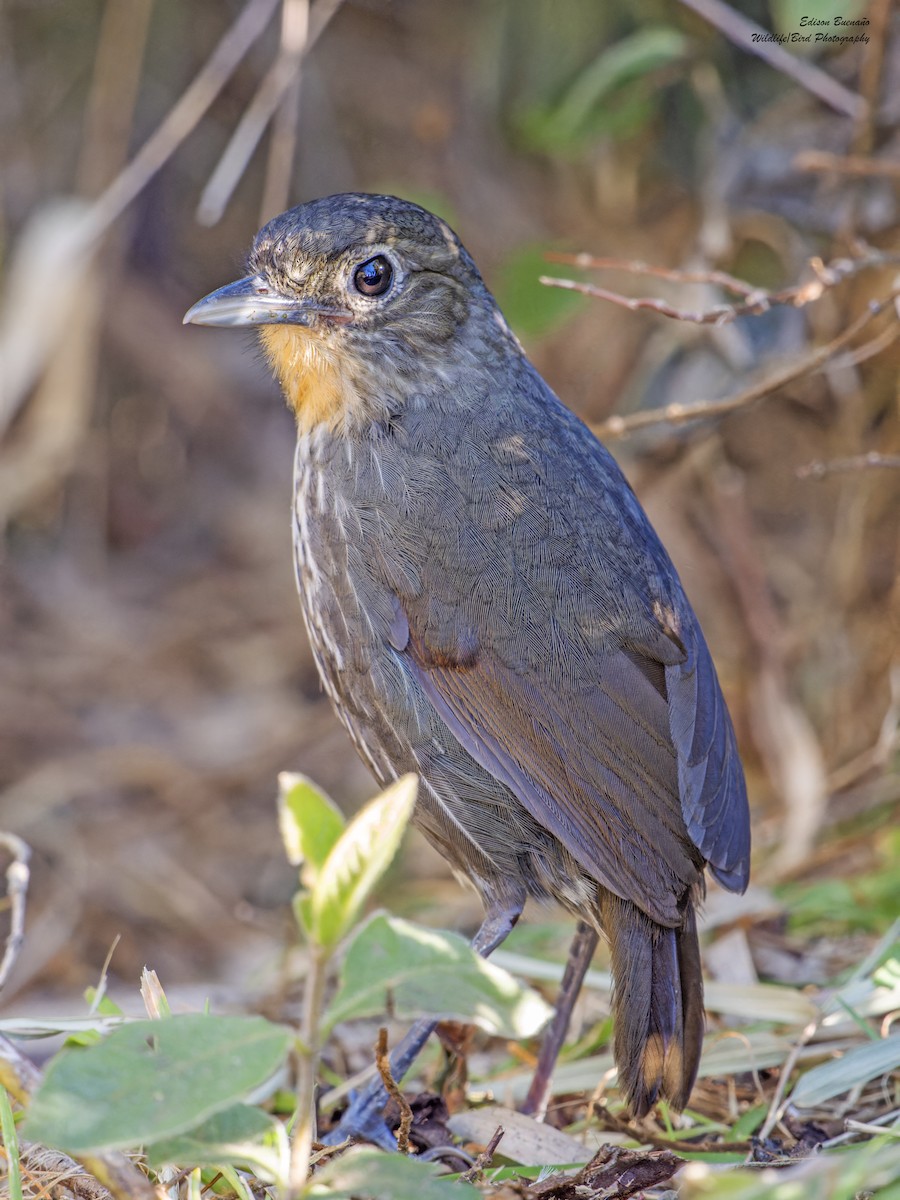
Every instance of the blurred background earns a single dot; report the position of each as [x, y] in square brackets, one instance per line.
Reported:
[154, 671]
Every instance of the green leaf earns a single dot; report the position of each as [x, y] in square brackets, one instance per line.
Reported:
[233, 1136]
[9, 1139]
[748, 1123]
[358, 860]
[431, 972]
[151, 1080]
[531, 307]
[597, 90]
[373, 1175]
[857, 1066]
[302, 906]
[310, 823]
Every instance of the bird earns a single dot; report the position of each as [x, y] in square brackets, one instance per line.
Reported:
[490, 608]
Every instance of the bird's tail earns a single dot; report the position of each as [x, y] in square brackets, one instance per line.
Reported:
[657, 1004]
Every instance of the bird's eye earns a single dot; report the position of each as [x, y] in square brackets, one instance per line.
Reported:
[374, 277]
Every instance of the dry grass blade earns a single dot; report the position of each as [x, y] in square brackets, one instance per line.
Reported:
[186, 113]
[857, 1066]
[280, 77]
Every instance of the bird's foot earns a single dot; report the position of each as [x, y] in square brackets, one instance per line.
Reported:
[363, 1121]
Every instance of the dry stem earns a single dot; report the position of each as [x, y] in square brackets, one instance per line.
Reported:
[383, 1062]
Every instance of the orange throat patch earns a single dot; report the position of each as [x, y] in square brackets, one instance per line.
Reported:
[315, 384]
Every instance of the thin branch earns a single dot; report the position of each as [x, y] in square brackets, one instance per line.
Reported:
[185, 115]
[17, 876]
[383, 1062]
[845, 164]
[252, 125]
[778, 1103]
[722, 314]
[283, 139]
[756, 300]
[752, 37]
[680, 414]
[859, 462]
[485, 1158]
[870, 349]
[587, 262]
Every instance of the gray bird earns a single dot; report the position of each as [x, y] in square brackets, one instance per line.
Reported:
[489, 607]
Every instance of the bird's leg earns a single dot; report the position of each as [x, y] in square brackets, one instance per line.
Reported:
[364, 1118]
[580, 954]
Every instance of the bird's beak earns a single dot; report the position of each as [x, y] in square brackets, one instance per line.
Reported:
[253, 301]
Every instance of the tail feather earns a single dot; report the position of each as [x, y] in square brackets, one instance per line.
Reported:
[657, 1004]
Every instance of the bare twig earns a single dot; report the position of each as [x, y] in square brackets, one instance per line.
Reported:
[17, 876]
[185, 115]
[587, 262]
[778, 1104]
[845, 164]
[680, 414]
[283, 139]
[756, 300]
[858, 462]
[870, 349]
[752, 38]
[383, 1062]
[252, 125]
[485, 1158]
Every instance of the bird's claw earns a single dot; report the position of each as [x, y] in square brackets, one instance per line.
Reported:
[364, 1121]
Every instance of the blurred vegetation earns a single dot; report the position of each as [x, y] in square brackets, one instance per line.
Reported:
[155, 675]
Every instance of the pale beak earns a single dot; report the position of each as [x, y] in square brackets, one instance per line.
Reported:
[253, 301]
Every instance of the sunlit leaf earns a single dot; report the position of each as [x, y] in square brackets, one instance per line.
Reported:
[151, 1080]
[234, 1136]
[357, 860]
[372, 1175]
[857, 1066]
[310, 822]
[593, 98]
[430, 972]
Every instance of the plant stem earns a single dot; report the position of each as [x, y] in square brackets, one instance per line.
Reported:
[307, 1068]
[11, 1142]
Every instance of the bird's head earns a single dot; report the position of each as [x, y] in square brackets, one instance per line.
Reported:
[356, 296]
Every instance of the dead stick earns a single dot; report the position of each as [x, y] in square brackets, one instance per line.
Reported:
[383, 1062]
[485, 1158]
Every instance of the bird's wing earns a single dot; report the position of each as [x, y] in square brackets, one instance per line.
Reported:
[554, 641]
[628, 761]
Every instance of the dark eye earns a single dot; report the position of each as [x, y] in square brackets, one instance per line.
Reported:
[374, 277]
